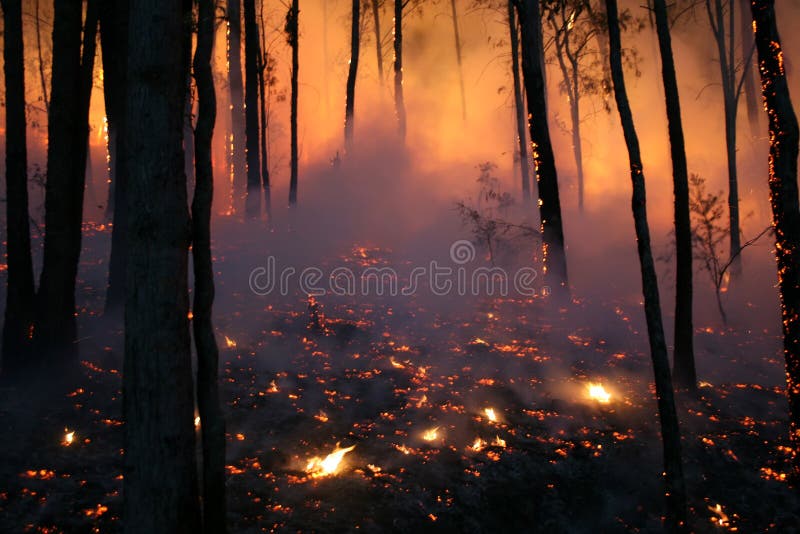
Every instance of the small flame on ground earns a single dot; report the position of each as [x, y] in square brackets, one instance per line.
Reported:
[431, 434]
[321, 467]
[599, 393]
[478, 445]
[197, 421]
[720, 518]
[499, 442]
[490, 414]
[69, 437]
[231, 343]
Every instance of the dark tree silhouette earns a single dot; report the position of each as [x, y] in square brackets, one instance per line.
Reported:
[670, 432]
[352, 73]
[67, 133]
[519, 104]
[237, 144]
[19, 294]
[555, 259]
[265, 81]
[376, 19]
[160, 478]
[684, 368]
[399, 102]
[252, 54]
[211, 418]
[457, 36]
[292, 32]
[751, 93]
[114, 44]
[783, 152]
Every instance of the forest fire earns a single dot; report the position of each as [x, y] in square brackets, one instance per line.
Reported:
[598, 393]
[69, 437]
[323, 467]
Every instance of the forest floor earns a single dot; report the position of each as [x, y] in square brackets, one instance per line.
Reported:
[473, 418]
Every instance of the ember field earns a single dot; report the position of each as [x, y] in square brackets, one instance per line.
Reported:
[496, 414]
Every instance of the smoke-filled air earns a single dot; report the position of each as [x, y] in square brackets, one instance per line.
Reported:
[400, 266]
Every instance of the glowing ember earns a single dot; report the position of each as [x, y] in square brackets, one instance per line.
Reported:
[598, 392]
[396, 364]
[431, 434]
[231, 343]
[322, 467]
[720, 518]
[197, 422]
[69, 437]
[490, 415]
[499, 442]
[478, 445]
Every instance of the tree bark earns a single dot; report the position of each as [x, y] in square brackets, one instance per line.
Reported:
[67, 132]
[376, 17]
[352, 73]
[519, 105]
[457, 36]
[670, 432]
[114, 45]
[239, 178]
[20, 289]
[554, 254]
[160, 478]
[211, 418]
[399, 102]
[783, 152]
[292, 26]
[684, 368]
[252, 53]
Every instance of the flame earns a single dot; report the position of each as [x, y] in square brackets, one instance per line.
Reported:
[273, 387]
[321, 467]
[231, 343]
[197, 421]
[69, 437]
[499, 442]
[396, 364]
[599, 393]
[431, 434]
[478, 445]
[720, 518]
[490, 415]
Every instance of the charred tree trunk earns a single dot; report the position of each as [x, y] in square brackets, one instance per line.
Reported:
[160, 478]
[237, 144]
[519, 105]
[555, 259]
[67, 133]
[399, 102]
[114, 45]
[292, 28]
[670, 431]
[684, 368]
[752, 98]
[376, 18]
[19, 294]
[457, 36]
[783, 153]
[252, 53]
[211, 418]
[352, 73]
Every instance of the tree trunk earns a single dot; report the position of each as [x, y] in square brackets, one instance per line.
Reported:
[114, 46]
[264, 93]
[376, 17]
[577, 147]
[685, 374]
[252, 53]
[670, 432]
[352, 73]
[555, 259]
[237, 144]
[751, 94]
[19, 294]
[211, 418]
[292, 25]
[160, 478]
[42, 79]
[399, 102]
[519, 105]
[67, 133]
[457, 36]
[783, 153]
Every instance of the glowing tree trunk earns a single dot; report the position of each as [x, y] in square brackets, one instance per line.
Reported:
[352, 73]
[252, 54]
[670, 432]
[399, 102]
[19, 294]
[685, 374]
[555, 259]
[160, 476]
[292, 27]
[237, 144]
[114, 45]
[519, 105]
[783, 153]
[211, 418]
[67, 132]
